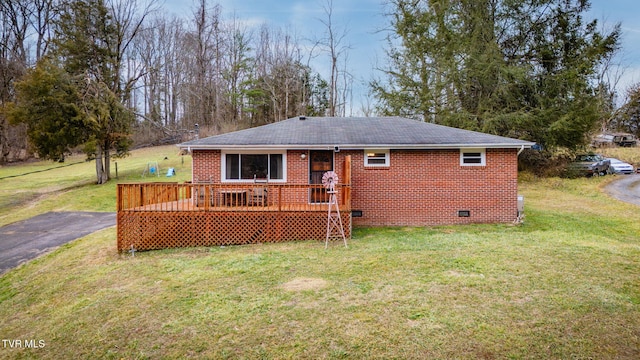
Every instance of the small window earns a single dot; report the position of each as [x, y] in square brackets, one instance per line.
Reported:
[376, 158]
[472, 157]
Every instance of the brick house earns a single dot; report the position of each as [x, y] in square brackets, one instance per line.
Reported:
[403, 172]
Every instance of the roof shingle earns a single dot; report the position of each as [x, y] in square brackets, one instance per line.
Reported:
[353, 132]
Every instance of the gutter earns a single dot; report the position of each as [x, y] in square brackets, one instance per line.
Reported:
[520, 147]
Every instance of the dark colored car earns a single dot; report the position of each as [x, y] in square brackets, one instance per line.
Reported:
[590, 165]
[624, 139]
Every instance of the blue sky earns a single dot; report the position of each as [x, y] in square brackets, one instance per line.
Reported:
[626, 12]
[363, 20]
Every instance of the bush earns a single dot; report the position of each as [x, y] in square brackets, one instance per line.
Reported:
[545, 163]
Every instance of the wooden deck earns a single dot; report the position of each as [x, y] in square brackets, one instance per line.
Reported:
[191, 205]
[166, 215]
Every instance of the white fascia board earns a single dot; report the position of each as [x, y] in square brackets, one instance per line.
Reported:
[434, 146]
[526, 145]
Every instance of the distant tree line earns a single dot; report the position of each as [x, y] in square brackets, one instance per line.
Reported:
[94, 74]
[112, 68]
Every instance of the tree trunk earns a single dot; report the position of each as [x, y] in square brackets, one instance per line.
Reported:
[4, 148]
[101, 175]
[107, 164]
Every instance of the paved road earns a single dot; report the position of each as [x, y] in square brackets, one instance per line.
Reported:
[625, 188]
[28, 239]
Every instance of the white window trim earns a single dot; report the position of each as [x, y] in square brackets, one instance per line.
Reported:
[223, 165]
[387, 161]
[483, 156]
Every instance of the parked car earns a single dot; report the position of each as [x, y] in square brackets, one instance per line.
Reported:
[624, 139]
[602, 140]
[614, 139]
[590, 165]
[620, 167]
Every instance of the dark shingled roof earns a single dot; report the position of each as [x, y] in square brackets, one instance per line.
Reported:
[354, 133]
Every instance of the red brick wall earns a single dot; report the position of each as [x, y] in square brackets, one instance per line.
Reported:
[297, 167]
[429, 187]
[298, 173]
[422, 187]
[206, 165]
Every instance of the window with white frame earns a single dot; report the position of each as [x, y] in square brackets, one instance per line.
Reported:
[473, 157]
[376, 157]
[249, 166]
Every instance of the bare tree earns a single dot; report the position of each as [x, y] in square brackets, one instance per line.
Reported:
[15, 19]
[160, 54]
[204, 46]
[609, 73]
[44, 12]
[237, 63]
[174, 64]
[281, 75]
[128, 19]
[333, 44]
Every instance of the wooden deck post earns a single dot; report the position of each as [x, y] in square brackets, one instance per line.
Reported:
[118, 198]
[346, 180]
[279, 198]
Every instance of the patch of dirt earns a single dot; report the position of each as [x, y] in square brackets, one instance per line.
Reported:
[302, 284]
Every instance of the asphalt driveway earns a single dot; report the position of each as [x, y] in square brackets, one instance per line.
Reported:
[625, 188]
[28, 239]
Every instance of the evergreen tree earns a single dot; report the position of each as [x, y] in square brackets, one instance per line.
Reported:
[47, 101]
[92, 39]
[520, 68]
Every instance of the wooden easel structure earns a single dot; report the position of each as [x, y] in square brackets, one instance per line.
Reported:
[335, 229]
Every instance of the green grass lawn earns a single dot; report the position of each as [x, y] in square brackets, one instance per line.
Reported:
[49, 186]
[565, 285]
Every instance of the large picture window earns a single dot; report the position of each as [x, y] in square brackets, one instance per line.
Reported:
[253, 166]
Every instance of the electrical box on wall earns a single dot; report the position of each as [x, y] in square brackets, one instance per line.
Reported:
[520, 204]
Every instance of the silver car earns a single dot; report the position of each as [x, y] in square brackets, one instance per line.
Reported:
[620, 167]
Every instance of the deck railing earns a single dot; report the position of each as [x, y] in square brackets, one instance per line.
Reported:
[166, 215]
[223, 197]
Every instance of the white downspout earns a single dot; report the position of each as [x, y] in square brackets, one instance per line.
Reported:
[520, 202]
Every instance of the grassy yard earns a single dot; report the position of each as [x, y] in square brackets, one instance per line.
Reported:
[38, 187]
[565, 285]
[628, 154]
